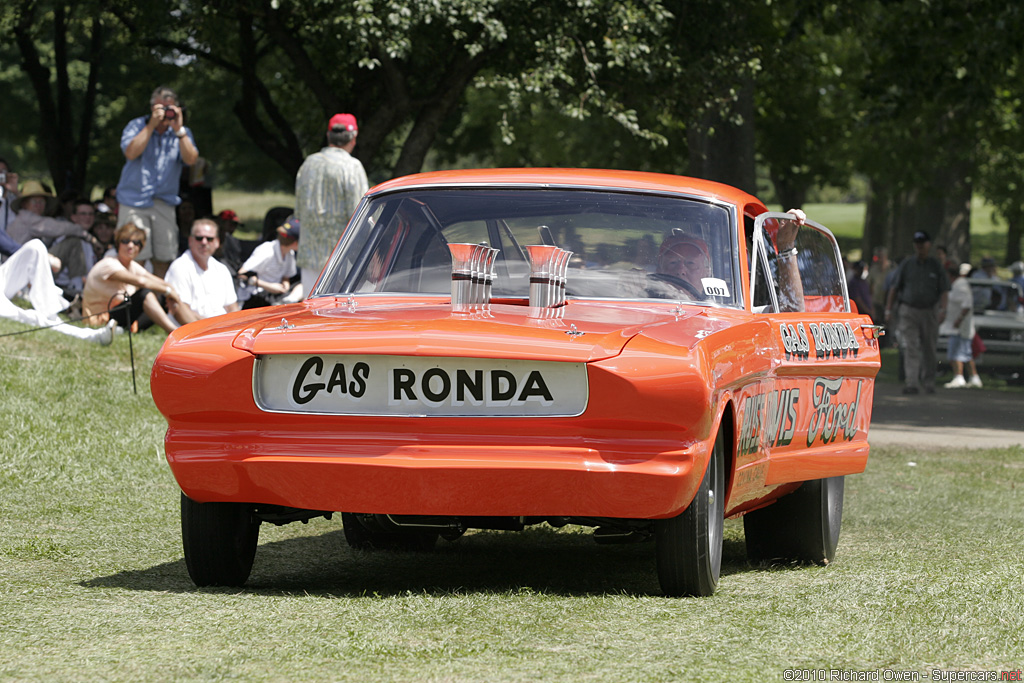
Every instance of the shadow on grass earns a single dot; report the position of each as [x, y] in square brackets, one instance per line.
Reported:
[538, 560]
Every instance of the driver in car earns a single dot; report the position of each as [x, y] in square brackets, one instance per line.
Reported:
[683, 262]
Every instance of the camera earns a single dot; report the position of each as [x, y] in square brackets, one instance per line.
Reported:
[170, 114]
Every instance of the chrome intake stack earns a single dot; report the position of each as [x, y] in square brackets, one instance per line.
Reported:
[472, 274]
[548, 268]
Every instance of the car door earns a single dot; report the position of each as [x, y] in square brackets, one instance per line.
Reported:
[814, 419]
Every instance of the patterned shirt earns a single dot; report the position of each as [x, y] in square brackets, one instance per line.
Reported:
[328, 187]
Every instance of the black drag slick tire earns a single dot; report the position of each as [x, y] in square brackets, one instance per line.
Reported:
[803, 525]
[219, 540]
[360, 536]
[689, 546]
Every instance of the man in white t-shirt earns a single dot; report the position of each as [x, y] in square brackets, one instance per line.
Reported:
[266, 277]
[204, 284]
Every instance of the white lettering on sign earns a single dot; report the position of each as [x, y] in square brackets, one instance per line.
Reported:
[831, 340]
[829, 418]
[772, 415]
[835, 340]
[794, 341]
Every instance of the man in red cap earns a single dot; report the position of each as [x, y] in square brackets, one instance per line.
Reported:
[328, 187]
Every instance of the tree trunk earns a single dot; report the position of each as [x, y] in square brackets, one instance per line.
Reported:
[941, 208]
[878, 214]
[1015, 230]
[723, 151]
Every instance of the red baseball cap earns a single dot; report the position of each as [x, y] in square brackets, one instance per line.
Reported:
[343, 121]
[228, 215]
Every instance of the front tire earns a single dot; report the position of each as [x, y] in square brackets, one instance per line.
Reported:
[689, 545]
[803, 525]
[219, 540]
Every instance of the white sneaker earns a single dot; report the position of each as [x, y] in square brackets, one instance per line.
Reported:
[975, 382]
[956, 383]
[106, 334]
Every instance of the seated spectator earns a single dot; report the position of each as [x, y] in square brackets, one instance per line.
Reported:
[32, 222]
[185, 215]
[103, 232]
[76, 252]
[119, 289]
[8, 193]
[266, 277]
[205, 285]
[30, 267]
[110, 201]
[230, 252]
[68, 201]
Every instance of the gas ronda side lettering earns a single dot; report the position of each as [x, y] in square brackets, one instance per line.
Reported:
[828, 419]
[794, 341]
[303, 392]
[437, 385]
[834, 339]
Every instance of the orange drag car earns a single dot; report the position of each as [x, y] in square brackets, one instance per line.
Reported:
[642, 354]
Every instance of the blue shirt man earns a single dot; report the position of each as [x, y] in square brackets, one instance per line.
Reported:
[155, 149]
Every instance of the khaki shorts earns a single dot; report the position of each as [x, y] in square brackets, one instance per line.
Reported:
[160, 223]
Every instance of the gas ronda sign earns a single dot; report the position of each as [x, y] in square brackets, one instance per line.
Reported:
[429, 386]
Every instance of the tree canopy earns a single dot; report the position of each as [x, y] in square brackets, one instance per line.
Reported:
[923, 99]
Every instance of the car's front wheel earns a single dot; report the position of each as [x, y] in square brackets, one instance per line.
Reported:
[689, 545]
[803, 525]
[219, 540]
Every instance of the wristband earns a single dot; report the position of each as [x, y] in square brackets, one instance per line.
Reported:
[788, 253]
[180, 133]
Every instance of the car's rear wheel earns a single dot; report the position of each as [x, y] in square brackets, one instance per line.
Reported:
[689, 545]
[364, 535]
[219, 540]
[803, 525]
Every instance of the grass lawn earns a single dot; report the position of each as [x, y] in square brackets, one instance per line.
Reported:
[93, 585]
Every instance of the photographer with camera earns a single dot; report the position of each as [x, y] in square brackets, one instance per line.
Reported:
[155, 149]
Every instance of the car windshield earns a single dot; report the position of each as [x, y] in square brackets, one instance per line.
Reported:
[624, 245]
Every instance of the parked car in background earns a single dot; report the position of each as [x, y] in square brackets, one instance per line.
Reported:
[999, 321]
[637, 353]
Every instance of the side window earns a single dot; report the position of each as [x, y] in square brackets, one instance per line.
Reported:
[763, 295]
[809, 280]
